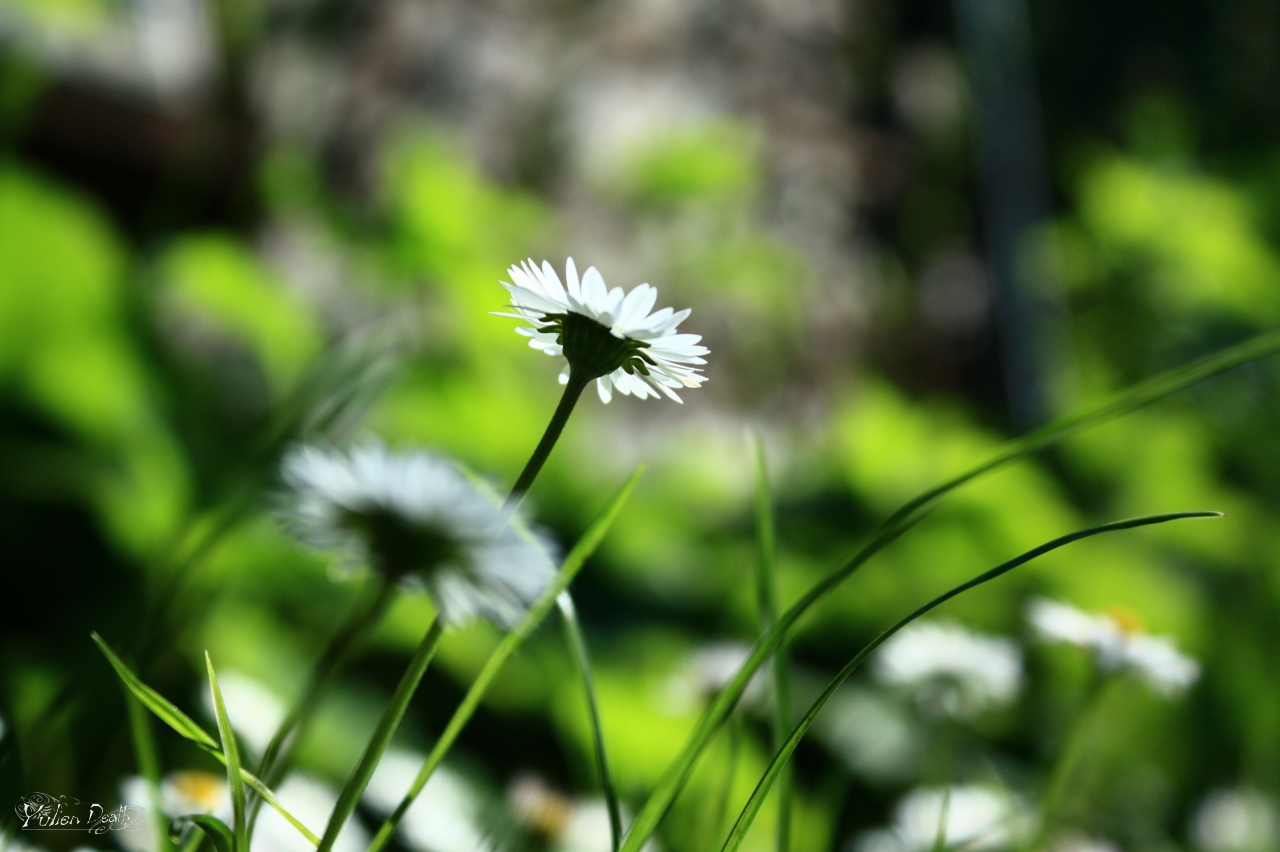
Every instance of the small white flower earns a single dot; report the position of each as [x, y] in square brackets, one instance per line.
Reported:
[186, 791]
[977, 818]
[610, 336]
[255, 711]
[311, 801]
[872, 732]
[423, 521]
[952, 670]
[1241, 820]
[708, 670]
[1117, 644]
[569, 824]
[443, 818]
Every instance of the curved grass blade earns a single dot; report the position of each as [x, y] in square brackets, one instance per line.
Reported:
[582, 664]
[232, 753]
[1144, 393]
[767, 602]
[215, 829]
[568, 570]
[730, 774]
[754, 804]
[181, 723]
[381, 738]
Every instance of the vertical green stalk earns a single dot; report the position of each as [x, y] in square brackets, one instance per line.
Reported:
[582, 663]
[572, 391]
[767, 602]
[144, 747]
[231, 752]
[276, 758]
[381, 738]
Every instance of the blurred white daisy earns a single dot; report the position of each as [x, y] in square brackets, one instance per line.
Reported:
[1118, 643]
[255, 711]
[1239, 820]
[423, 521]
[952, 670]
[872, 732]
[1071, 841]
[445, 817]
[604, 334]
[569, 824]
[977, 819]
[311, 801]
[186, 791]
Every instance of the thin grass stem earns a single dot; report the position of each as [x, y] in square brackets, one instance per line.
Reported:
[144, 749]
[381, 738]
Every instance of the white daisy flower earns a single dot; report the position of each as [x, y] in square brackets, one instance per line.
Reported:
[976, 818]
[1118, 643]
[186, 791]
[445, 817]
[604, 334]
[953, 671]
[569, 824]
[1240, 820]
[708, 670]
[423, 521]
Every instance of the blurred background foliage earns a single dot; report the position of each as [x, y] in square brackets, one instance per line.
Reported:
[227, 225]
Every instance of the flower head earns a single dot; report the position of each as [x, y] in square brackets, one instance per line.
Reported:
[604, 334]
[421, 520]
[954, 671]
[1118, 643]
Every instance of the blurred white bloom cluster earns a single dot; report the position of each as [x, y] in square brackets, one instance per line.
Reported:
[976, 818]
[953, 671]
[1236, 820]
[1116, 645]
[421, 519]
[446, 815]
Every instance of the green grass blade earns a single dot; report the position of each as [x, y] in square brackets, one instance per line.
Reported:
[231, 752]
[391, 716]
[767, 602]
[154, 701]
[1153, 389]
[215, 829]
[144, 746]
[730, 775]
[582, 664]
[780, 759]
[568, 570]
[183, 725]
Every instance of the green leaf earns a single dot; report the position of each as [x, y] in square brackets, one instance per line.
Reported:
[1153, 389]
[214, 828]
[568, 570]
[754, 804]
[391, 716]
[232, 753]
[144, 746]
[767, 601]
[155, 702]
[582, 664]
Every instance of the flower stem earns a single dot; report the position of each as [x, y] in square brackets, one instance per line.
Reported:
[381, 738]
[572, 391]
[276, 758]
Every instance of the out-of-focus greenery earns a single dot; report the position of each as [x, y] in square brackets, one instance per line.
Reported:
[146, 383]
